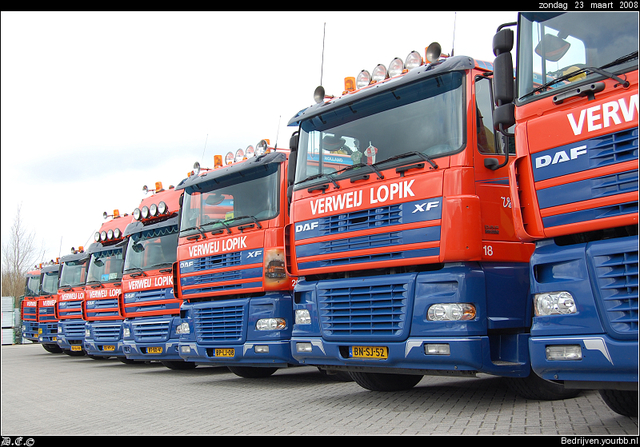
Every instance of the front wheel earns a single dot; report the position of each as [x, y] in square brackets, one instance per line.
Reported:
[250, 372]
[536, 388]
[178, 365]
[54, 349]
[622, 402]
[385, 382]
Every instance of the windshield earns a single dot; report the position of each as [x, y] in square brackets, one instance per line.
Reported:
[105, 266]
[222, 205]
[32, 287]
[153, 248]
[74, 273]
[425, 117]
[50, 283]
[554, 45]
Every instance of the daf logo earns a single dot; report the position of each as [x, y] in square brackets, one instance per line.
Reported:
[560, 157]
[306, 227]
[186, 264]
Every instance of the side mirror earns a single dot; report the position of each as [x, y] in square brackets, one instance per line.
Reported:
[503, 79]
[291, 164]
[503, 41]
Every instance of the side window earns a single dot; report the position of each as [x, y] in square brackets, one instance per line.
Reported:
[489, 141]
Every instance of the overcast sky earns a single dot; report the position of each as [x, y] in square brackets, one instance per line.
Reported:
[97, 104]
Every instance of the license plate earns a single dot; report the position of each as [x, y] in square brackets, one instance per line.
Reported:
[369, 352]
[225, 352]
[109, 348]
[154, 350]
[76, 348]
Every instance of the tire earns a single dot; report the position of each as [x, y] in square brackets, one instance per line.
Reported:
[385, 382]
[534, 387]
[54, 349]
[129, 361]
[250, 372]
[178, 365]
[337, 376]
[622, 402]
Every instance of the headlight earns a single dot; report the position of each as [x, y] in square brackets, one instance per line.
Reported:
[153, 209]
[261, 148]
[451, 312]
[271, 324]
[126, 332]
[303, 317]
[379, 73]
[136, 214]
[363, 79]
[413, 60]
[110, 234]
[563, 352]
[145, 212]
[183, 328]
[395, 67]
[554, 303]
[103, 235]
[117, 233]
[96, 237]
[162, 208]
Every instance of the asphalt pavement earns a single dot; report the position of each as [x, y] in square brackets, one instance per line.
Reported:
[55, 394]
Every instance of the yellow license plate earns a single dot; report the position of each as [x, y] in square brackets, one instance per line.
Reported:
[154, 350]
[369, 352]
[225, 352]
[54, 338]
[76, 348]
[108, 348]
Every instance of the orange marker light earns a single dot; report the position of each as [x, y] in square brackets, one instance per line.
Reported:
[349, 84]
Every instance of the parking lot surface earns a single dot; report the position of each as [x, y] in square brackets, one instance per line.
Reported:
[54, 394]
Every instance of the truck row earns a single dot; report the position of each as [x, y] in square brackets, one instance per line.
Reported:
[435, 218]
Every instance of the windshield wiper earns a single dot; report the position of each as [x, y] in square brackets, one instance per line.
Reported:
[361, 165]
[408, 154]
[327, 176]
[622, 59]
[599, 71]
[221, 222]
[253, 218]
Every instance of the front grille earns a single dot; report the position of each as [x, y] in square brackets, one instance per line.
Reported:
[74, 329]
[219, 323]
[363, 311]
[361, 220]
[217, 261]
[617, 278]
[151, 331]
[106, 332]
[614, 148]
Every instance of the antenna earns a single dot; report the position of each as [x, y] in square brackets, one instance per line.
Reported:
[454, 33]
[205, 146]
[277, 133]
[318, 94]
[324, 33]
